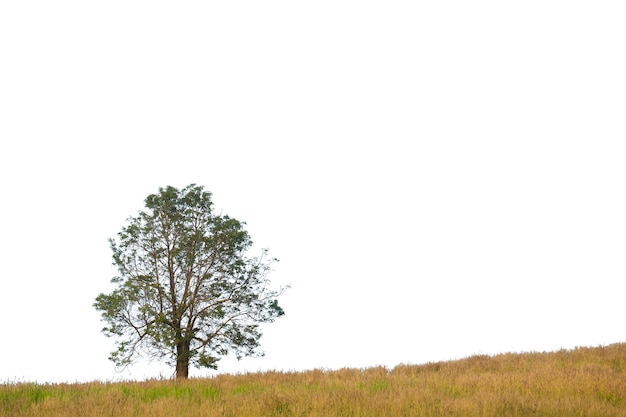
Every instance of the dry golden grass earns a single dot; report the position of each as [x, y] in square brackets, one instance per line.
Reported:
[588, 382]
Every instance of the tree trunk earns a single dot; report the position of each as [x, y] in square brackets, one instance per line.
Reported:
[182, 360]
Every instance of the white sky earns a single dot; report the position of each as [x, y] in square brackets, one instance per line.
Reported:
[438, 178]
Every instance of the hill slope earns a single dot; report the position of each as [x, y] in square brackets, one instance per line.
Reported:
[580, 382]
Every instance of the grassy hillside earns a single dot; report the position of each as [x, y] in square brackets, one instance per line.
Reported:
[580, 382]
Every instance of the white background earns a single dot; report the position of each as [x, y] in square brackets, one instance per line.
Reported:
[438, 178]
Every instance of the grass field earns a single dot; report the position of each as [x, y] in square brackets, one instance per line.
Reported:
[581, 382]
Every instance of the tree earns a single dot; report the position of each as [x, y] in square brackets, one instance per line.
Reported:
[186, 291]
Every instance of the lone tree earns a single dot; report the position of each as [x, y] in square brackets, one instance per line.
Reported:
[186, 292]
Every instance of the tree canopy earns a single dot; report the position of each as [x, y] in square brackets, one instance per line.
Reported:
[186, 291]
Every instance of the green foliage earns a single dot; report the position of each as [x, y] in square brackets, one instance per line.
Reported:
[186, 291]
